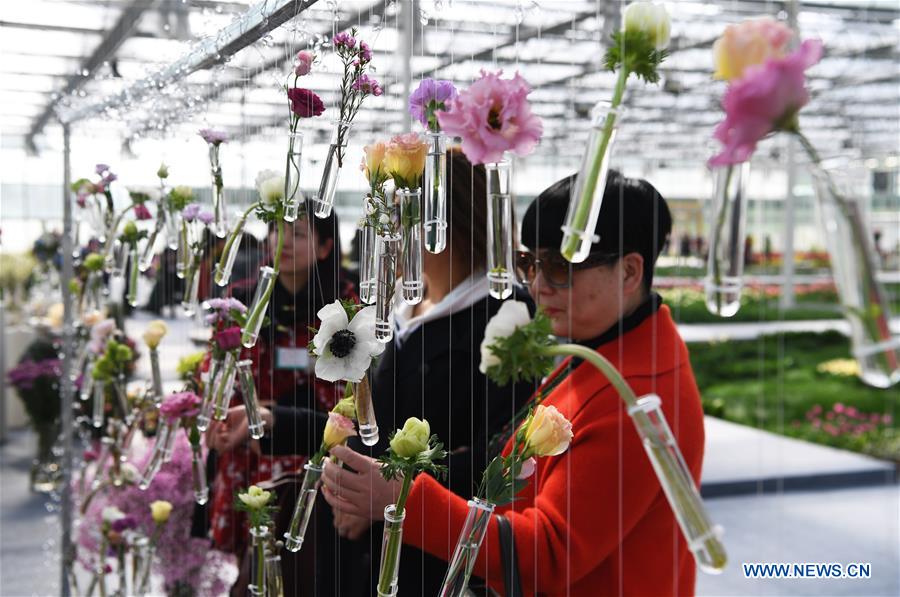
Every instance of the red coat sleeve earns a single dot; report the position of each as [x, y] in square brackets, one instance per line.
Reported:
[588, 499]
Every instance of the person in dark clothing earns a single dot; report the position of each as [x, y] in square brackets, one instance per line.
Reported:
[430, 371]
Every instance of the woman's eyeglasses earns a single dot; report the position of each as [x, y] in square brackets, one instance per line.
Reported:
[557, 271]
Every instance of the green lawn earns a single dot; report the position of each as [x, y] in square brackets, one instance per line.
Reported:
[774, 383]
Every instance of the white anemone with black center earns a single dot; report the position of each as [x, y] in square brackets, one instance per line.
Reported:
[345, 347]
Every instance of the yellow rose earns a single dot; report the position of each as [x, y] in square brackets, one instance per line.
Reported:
[547, 432]
[255, 498]
[373, 162]
[337, 429]
[412, 439]
[747, 44]
[160, 510]
[404, 159]
[154, 333]
[650, 18]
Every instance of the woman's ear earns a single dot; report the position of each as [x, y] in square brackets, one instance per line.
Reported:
[633, 273]
[323, 250]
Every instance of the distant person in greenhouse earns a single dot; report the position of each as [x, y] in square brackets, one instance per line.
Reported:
[595, 520]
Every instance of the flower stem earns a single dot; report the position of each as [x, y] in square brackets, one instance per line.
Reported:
[276, 262]
[602, 365]
[584, 201]
[232, 237]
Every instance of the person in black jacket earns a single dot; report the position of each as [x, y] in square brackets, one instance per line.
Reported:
[429, 371]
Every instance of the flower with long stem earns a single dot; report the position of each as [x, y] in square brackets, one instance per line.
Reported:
[356, 85]
[257, 504]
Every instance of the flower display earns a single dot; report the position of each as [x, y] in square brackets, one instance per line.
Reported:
[430, 96]
[492, 116]
[345, 347]
[404, 159]
[765, 100]
[749, 43]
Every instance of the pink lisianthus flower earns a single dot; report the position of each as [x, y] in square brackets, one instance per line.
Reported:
[303, 63]
[229, 338]
[492, 116]
[182, 405]
[766, 99]
[141, 212]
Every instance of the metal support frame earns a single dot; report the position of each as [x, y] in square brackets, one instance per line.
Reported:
[67, 386]
[114, 39]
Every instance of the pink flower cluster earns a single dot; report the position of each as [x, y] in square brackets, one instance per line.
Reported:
[764, 100]
[367, 85]
[183, 405]
[492, 116]
[221, 308]
[846, 420]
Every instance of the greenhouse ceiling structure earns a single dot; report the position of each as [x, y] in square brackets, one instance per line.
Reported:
[107, 65]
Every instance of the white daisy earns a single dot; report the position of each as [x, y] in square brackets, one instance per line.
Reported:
[345, 348]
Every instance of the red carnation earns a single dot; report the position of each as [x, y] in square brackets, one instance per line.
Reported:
[229, 338]
[305, 103]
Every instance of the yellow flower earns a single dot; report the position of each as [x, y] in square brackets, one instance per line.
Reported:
[255, 498]
[373, 162]
[160, 510]
[404, 159]
[337, 429]
[346, 407]
[840, 367]
[91, 317]
[154, 333]
[547, 432]
[55, 315]
[412, 439]
[747, 44]
[653, 19]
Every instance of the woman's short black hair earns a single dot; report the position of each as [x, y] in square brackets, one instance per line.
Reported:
[634, 218]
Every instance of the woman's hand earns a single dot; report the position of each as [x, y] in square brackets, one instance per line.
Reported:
[362, 491]
[350, 526]
[224, 436]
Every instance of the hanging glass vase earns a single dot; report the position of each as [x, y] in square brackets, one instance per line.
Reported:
[434, 185]
[220, 221]
[156, 377]
[117, 259]
[45, 472]
[87, 381]
[391, 542]
[229, 254]
[854, 265]
[304, 507]
[368, 263]
[99, 403]
[365, 412]
[292, 195]
[590, 183]
[133, 271]
[198, 475]
[385, 279]
[173, 227]
[209, 384]
[183, 255]
[274, 577]
[413, 287]
[334, 160]
[258, 538]
[224, 386]
[725, 262]
[456, 581]
[166, 433]
[499, 230]
[258, 307]
[190, 302]
[255, 424]
[142, 551]
[148, 252]
[678, 484]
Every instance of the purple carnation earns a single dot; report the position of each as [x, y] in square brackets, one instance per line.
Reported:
[431, 95]
[213, 136]
[206, 217]
[182, 405]
[344, 40]
[190, 211]
[365, 52]
[367, 85]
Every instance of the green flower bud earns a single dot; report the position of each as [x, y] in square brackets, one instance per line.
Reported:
[412, 439]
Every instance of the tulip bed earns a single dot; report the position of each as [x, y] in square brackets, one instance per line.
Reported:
[801, 385]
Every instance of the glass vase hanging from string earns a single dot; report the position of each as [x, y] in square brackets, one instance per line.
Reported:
[388, 252]
[334, 161]
[413, 286]
[296, 532]
[725, 260]
[462, 562]
[368, 262]
[434, 185]
[499, 230]
[257, 311]
[292, 195]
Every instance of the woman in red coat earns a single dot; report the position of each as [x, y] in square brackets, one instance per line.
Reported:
[593, 521]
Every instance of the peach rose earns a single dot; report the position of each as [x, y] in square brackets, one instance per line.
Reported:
[547, 432]
[404, 159]
[747, 44]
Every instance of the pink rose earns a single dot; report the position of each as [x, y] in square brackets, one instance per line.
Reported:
[492, 116]
[765, 100]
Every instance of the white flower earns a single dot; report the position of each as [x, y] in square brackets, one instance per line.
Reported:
[255, 498]
[651, 18]
[112, 514]
[345, 348]
[511, 316]
[270, 186]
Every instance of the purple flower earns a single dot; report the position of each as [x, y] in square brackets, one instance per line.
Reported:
[222, 307]
[431, 95]
[109, 178]
[123, 524]
[367, 85]
[182, 405]
[344, 40]
[365, 52]
[101, 168]
[141, 212]
[23, 376]
[206, 217]
[190, 211]
[213, 136]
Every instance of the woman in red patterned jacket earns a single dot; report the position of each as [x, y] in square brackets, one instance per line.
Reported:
[309, 278]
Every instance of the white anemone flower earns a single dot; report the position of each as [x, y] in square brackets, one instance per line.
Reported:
[511, 316]
[270, 186]
[345, 348]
